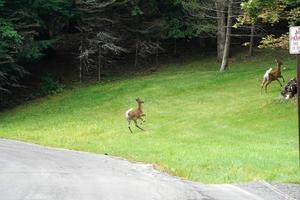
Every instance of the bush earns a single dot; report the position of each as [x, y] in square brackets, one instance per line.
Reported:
[49, 86]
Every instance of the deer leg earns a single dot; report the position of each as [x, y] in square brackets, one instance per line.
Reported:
[266, 86]
[282, 78]
[142, 119]
[262, 85]
[138, 125]
[144, 115]
[129, 126]
[279, 82]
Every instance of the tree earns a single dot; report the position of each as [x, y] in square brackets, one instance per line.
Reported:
[224, 64]
[10, 44]
[272, 11]
[100, 34]
[251, 43]
[210, 16]
[22, 39]
[137, 29]
[221, 28]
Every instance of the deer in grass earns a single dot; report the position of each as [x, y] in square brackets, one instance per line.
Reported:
[135, 114]
[272, 75]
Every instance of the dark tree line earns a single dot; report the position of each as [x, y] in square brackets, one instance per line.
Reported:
[27, 29]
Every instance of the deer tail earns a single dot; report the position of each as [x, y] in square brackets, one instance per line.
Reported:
[266, 75]
[127, 113]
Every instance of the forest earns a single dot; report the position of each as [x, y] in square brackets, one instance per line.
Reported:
[46, 45]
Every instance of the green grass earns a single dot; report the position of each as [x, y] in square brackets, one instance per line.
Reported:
[201, 125]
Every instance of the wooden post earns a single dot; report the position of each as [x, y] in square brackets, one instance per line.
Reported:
[294, 47]
[298, 95]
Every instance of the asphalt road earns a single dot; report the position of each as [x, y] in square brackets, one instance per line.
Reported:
[33, 172]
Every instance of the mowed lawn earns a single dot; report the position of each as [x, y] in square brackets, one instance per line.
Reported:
[201, 125]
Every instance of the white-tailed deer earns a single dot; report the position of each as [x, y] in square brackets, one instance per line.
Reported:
[290, 90]
[272, 75]
[135, 114]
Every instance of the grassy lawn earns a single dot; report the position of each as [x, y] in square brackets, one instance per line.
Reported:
[201, 125]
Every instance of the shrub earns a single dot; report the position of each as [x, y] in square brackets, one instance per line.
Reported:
[49, 86]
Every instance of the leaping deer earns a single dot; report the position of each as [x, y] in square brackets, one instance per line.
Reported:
[134, 115]
[272, 75]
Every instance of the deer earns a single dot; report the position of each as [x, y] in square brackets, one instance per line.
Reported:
[135, 114]
[290, 90]
[272, 75]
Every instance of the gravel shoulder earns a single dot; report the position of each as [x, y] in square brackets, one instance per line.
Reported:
[273, 191]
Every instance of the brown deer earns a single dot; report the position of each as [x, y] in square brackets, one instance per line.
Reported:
[135, 114]
[272, 75]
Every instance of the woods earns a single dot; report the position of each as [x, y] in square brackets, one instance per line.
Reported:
[130, 33]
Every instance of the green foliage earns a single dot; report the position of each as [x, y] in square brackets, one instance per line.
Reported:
[45, 7]
[175, 28]
[273, 11]
[270, 41]
[49, 86]
[293, 16]
[136, 11]
[293, 3]
[199, 19]
[2, 3]
[173, 17]
[23, 24]
[35, 50]
[8, 33]
[10, 44]
[254, 8]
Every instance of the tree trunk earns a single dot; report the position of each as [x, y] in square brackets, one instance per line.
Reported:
[220, 7]
[175, 47]
[156, 57]
[251, 40]
[80, 70]
[136, 53]
[224, 65]
[80, 63]
[99, 64]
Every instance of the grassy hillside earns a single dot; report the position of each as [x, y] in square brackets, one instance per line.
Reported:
[201, 125]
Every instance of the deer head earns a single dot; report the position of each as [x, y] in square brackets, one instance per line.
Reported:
[278, 62]
[139, 101]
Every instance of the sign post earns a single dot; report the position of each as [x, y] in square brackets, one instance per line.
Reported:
[298, 94]
[294, 46]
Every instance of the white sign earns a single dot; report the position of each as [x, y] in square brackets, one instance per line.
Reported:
[294, 40]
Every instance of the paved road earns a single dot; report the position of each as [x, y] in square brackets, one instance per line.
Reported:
[33, 172]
